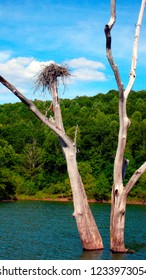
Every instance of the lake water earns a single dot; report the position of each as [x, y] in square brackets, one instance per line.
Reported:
[44, 230]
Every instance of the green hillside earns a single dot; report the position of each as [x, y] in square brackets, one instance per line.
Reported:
[31, 160]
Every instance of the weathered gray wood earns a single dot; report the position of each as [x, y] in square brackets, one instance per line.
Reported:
[119, 191]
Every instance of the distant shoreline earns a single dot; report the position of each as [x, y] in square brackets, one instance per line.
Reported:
[65, 199]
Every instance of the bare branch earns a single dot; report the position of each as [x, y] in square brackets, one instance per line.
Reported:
[120, 150]
[107, 31]
[38, 114]
[113, 14]
[135, 50]
[75, 138]
[142, 169]
[135, 178]
[16, 92]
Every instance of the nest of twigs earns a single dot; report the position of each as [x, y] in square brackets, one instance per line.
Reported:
[50, 74]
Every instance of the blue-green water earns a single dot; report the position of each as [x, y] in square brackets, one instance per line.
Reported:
[42, 230]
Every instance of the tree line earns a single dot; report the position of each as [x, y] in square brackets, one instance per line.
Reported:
[31, 162]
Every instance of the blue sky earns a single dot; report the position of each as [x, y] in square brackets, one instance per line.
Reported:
[34, 33]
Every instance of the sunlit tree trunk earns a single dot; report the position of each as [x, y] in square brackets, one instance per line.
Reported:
[88, 231]
[87, 228]
[119, 191]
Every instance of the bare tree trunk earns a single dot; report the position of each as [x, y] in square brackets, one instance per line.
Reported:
[88, 231]
[119, 191]
[89, 234]
[87, 228]
[117, 222]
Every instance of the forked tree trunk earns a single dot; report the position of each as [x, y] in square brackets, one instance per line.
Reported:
[119, 191]
[118, 211]
[88, 231]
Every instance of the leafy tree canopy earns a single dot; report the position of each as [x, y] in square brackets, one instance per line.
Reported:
[31, 160]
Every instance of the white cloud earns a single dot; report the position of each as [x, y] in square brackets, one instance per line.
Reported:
[21, 70]
[86, 70]
[83, 62]
[4, 55]
[88, 74]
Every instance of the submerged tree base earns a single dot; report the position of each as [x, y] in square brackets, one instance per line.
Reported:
[122, 252]
[97, 246]
[98, 251]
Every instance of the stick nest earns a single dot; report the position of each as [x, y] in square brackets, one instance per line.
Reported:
[50, 74]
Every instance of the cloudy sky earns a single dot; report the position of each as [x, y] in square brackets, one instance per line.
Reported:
[34, 33]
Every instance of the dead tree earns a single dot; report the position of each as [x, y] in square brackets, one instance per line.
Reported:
[48, 78]
[119, 191]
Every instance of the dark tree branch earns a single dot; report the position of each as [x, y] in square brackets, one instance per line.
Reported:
[124, 168]
[108, 36]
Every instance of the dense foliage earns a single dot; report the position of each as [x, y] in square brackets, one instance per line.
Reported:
[31, 160]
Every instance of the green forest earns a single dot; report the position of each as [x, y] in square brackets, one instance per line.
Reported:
[31, 161]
